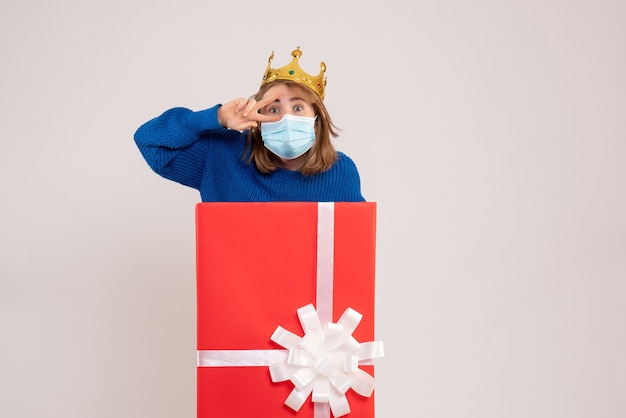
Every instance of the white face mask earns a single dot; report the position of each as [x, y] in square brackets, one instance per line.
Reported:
[289, 137]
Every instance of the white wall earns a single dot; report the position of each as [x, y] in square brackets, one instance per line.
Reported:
[492, 134]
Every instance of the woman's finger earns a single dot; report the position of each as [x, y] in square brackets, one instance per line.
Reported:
[260, 117]
[267, 100]
[250, 108]
[241, 103]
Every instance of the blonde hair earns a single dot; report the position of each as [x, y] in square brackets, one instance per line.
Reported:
[322, 154]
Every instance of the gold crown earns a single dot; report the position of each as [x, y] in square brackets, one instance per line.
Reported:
[293, 72]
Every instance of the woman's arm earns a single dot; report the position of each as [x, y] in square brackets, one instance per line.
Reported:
[173, 145]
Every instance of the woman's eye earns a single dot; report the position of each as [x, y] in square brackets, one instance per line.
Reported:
[273, 110]
[298, 108]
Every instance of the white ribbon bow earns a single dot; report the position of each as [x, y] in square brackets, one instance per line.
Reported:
[325, 361]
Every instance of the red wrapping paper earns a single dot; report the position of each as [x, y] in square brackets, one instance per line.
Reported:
[256, 265]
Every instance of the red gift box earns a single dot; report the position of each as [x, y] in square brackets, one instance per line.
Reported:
[257, 264]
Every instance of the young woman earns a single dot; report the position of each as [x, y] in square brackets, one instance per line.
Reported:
[274, 146]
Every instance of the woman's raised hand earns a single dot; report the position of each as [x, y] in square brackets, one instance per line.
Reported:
[242, 114]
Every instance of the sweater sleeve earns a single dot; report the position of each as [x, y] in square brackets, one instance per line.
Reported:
[173, 146]
[349, 181]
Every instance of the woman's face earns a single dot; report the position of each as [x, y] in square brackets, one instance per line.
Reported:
[289, 101]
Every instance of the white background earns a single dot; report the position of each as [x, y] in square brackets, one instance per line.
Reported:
[492, 134]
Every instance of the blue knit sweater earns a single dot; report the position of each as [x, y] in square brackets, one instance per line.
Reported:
[193, 149]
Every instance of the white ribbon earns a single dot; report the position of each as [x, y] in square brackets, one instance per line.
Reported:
[324, 362]
[325, 260]
[225, 358]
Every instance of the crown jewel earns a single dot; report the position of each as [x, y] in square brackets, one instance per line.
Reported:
[293, 72]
